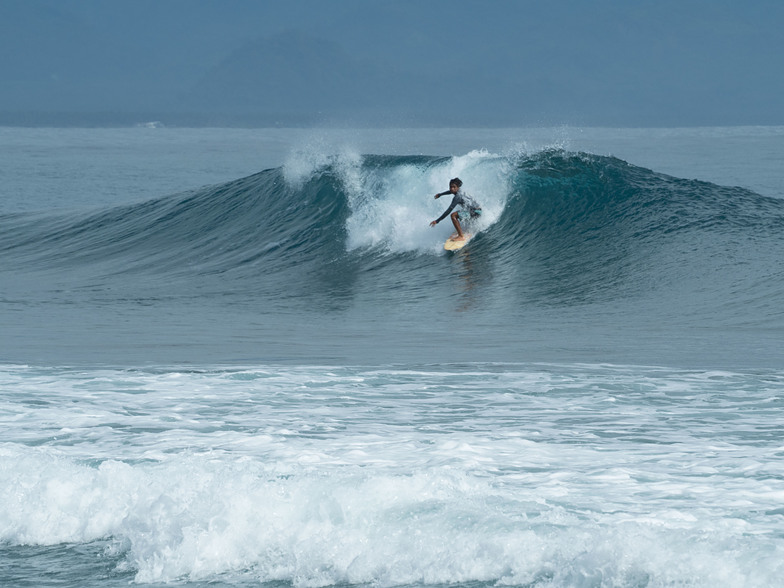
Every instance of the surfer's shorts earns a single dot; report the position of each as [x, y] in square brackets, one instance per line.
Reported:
[467, 216]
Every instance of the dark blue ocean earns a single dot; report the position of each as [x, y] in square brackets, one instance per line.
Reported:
[242, 358]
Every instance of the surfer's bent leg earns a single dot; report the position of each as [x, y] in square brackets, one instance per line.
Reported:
[456, 222]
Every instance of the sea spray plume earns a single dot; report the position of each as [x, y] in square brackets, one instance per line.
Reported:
[396, 205]
[304, 163]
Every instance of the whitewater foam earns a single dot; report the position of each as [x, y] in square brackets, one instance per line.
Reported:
[197, 516]
[324, 476]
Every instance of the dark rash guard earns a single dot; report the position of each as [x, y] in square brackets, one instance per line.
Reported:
[460, 199]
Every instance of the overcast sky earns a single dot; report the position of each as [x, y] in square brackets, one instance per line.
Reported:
[401, 62]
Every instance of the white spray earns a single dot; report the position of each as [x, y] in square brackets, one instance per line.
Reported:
[392, 206]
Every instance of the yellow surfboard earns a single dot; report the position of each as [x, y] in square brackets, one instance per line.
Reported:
[455, 244]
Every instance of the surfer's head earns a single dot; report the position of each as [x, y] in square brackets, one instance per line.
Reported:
[454, 184]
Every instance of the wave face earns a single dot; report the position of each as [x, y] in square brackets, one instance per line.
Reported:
[567, 233]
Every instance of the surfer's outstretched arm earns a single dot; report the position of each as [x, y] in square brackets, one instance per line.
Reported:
[455, 200]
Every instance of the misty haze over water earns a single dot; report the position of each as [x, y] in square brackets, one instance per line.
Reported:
[390, 63]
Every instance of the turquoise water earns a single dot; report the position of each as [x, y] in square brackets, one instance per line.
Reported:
[242, 357]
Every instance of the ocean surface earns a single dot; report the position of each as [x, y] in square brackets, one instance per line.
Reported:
[242, 358]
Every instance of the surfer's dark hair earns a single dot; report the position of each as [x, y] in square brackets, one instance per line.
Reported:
[457, 181]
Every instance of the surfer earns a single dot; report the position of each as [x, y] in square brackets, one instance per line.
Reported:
[470, 209]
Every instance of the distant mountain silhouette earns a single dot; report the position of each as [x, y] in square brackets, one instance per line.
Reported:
[296, 74]
[286, 73]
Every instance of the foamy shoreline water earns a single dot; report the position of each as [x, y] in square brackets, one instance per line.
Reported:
[359, 475]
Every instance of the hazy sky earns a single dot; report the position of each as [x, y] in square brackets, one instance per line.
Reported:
[385, 62]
